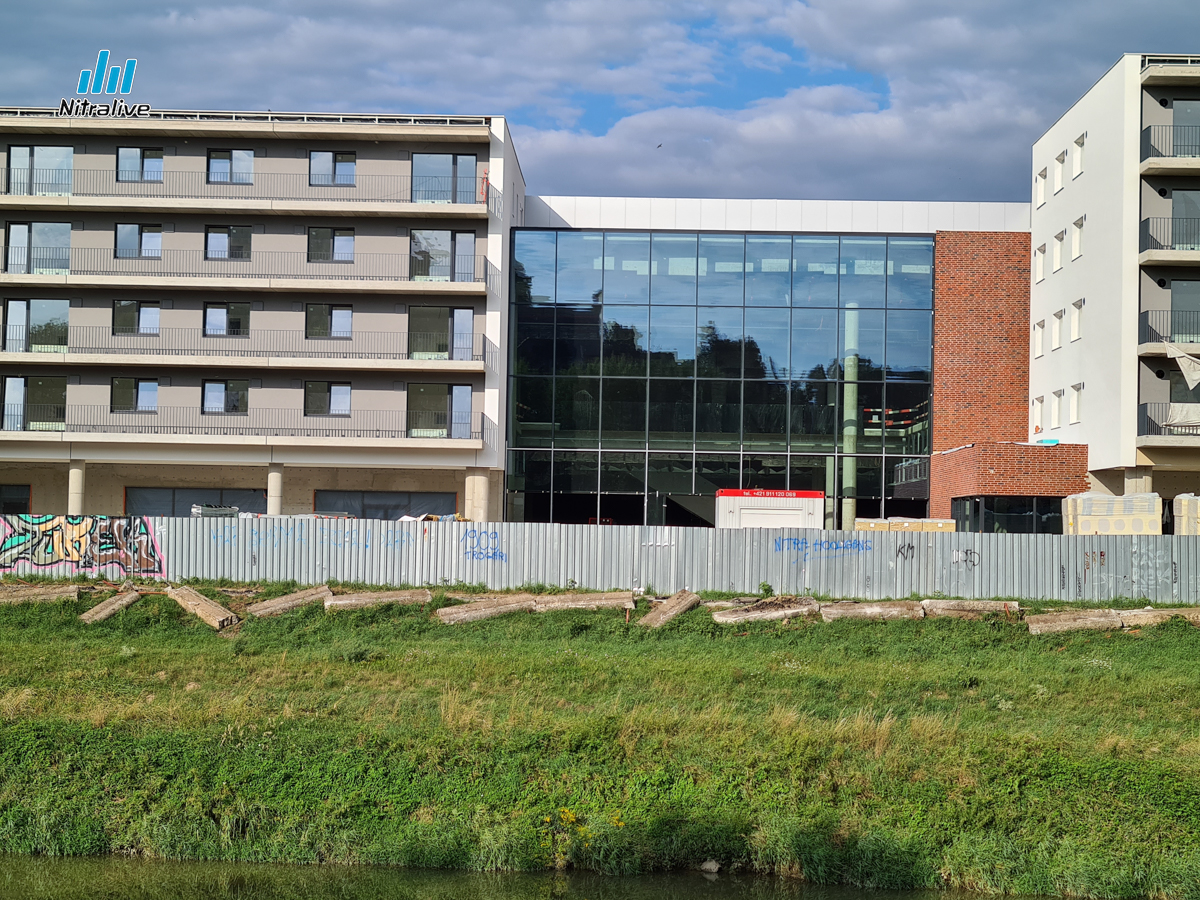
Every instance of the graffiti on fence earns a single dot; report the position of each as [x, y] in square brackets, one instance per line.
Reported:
[820, 549]
[81, 543]
[480, 544]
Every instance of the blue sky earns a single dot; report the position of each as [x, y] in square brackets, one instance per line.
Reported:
[854, 99]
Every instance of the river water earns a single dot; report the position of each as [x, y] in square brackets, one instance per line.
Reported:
[108, 878]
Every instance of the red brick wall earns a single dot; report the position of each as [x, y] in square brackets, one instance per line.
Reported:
[980, 338]
[1005, 469]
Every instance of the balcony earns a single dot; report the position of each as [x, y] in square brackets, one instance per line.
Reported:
[260, 270]
[1176, 326]
[256, 348]
[262, 192]
[1170, 242]
[1169, 425]
[1171, 150]
[1170, 70]
[68, 422]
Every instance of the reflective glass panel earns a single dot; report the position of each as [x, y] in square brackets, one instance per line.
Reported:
[815, 271]
[906, 478]
[623, 413]
[813, 473]
[862, 418]
[764, 473]
[529, 470]
[48, 324]
[765, 415]
[909, 345]
[864, 261]
[623, 472]
[432, 177]
[719, 342]
[766, 343]
[862, 344]
[673, 269]
[532, 404]
[862, 476]
[576, 412]
[768, 270]
[577, 340]
[718, 413]
[627, 268]
[720, 270]
[714, 472]
[814, 423]
[673, 341]
[910, 273]
[906, 422]
[626, 338]
[580, 275]
[669, 473]
[533, 266]
[671, 412]
[533, 340]
[576, 473]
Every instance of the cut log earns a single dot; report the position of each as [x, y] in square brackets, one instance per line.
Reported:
[110, 607]
[360, 601]
[37, 593]
[773, 609]
[1140, 618]
[889, 609]
[486, 609]
[277, 605]
[969, 609]
[208, 611]
[675, 605]
[611, 600]
[1074, 620]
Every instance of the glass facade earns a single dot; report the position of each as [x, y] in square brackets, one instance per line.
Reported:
[650, 369]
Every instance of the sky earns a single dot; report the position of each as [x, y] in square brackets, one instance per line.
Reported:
[821, 99]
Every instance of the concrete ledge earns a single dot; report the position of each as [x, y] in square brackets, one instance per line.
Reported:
[892, 609]
[201, 205]
[1074, 620]
[293, 285]
[159, 360]
[1169, 258]
[969, 609]
[773, 609]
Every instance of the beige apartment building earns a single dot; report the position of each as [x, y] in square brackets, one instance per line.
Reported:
[287, 313]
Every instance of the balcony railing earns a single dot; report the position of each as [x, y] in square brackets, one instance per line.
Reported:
[192, 420]
[1171, 141]
[294, 186]
[1162, 233]
[1156, 419]
[257, 342]
[258, 264]
[1179, 326]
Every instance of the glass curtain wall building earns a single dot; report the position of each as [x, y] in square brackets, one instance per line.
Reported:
[650, 369]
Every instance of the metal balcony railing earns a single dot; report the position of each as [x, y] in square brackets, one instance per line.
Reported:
[257, 264]
[192, 420]
[293, 186]
[1162, 233]
[1179, 326]
[257, 342]
[1154, 419]
[1172, 141]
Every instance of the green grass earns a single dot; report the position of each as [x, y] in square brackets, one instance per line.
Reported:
[928, 753]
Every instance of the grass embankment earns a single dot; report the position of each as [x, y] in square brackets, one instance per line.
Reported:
[918, 753]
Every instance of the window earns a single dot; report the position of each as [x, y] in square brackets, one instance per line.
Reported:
[387, 505]
[38, 326]
[1076, 317]
[326, 398]
[1077, 159]
[327, 167]
[226, 319]
[1058, 248]
[1039, 263]
[230, 166]
[41, 171]
[1040, 188]
[14, 499]
[178, 502]
[1037, 415]
[135, 395]
[331, 245]
[439, 410]
[443, 255]
[1039, 338]
[1056, 409]
[1056, 330]
[227, 242]
[324, 321]
[35, 404]
[38, 248]
[444, 178]
[438, 332]
[134, 241]
[139, 164]
[135, 317]
[1059, 161]
[1077, 238]
[1076, 392]
[226, 397]
[1007, 515]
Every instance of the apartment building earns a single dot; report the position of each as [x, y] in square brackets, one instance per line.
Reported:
[288, 313]
[1115, 301]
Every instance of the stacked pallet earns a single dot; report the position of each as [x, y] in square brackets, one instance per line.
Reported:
[1094, 512]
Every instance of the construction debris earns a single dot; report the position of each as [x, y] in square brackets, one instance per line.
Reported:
[37, 593]
[662, 613]
[1138, 618]
[109, 607]
[277, 605]
[610, 600]
[1074, 620]
[486, 609]
[969, 609]
[770, 610]
[209, 611]
[360, 601]
[891, 609]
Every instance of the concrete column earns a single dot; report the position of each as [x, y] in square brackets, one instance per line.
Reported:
[75, 487]
[275, 489]
[475, 499]
[850, 420]
[1139, 480]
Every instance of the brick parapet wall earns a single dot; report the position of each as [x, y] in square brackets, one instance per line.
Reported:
[1004, 469]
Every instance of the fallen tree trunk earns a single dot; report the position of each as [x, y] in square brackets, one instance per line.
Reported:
[36, 593]
[889, 609]
[1074, 620]
[969, 609]
[208, 611]
[277, 605]
[109, 607]
[360, 601]
[675, 605]
[770, 610]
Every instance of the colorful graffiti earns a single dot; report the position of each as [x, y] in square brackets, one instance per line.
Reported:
[80, 543]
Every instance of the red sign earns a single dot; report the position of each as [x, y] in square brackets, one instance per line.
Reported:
[811, 495]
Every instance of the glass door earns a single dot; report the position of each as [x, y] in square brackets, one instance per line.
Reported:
[464, 334]
[16, 326]
[14, 404]
[460, 411]
[428, 332]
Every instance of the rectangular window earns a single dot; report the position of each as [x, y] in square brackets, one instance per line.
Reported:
[1040, 188]
[439, 410]
[135, 395]
[326, 398]
[1077, 156]
[385, 505]
[1056, 409]
[135, 317]
[226, 319]
[438, 332]
[1036, 417]
[1039, 338]
[1076, 392]
[1059, 162]
[1058, 250]
[15, 499]
[327, 167]
[178, 502]
[322, 320]
[331, 245]
[1056, 330]
[1039, 263]
[1076, 317]
[38, 326]
[35, 403]
[446, 256]
[139, 164]
[227, 242]
[1077, 239]
[139, 241]
[226, 397]
[38, 248]
[230, 166]
[444, 178]
[40, 171]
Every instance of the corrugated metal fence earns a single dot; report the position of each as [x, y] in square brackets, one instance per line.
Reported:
[873, 565]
